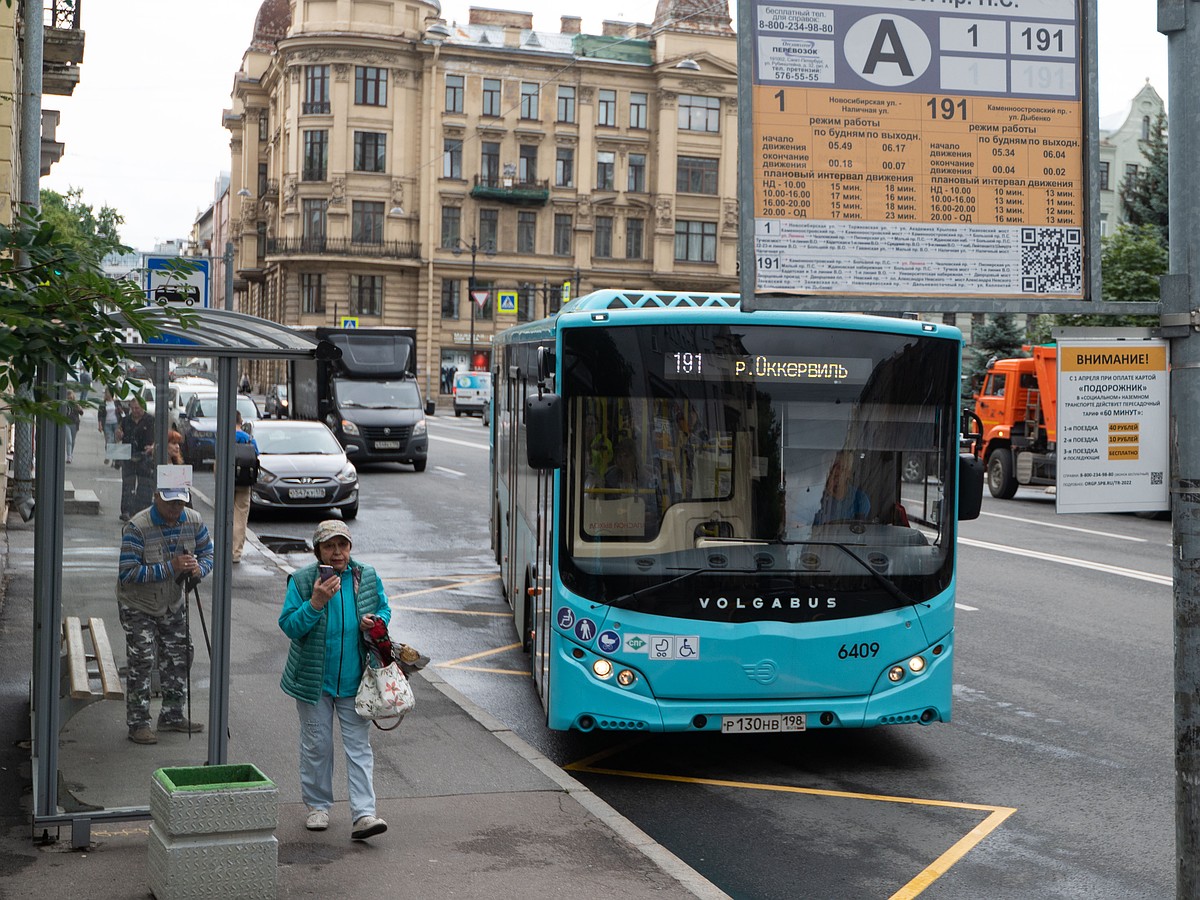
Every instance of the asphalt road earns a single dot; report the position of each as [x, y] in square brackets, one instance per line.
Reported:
[1055, 778]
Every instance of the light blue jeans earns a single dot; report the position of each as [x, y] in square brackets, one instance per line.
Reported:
[316, 754]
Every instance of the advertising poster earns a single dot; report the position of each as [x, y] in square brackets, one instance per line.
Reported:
[1113, 422]
[916, 147]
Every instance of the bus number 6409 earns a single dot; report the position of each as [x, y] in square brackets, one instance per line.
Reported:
[859, 651]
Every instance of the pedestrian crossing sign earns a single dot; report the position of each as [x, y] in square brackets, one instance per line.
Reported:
[349, 321]
[506, 302]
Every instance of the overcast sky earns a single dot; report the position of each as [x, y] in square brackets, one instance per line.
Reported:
[143, 129]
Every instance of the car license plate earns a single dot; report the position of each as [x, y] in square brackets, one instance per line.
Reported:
[304, 493]
[763, 724]
[387, 445]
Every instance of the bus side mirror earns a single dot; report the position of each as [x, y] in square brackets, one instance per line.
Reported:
[970, 486]
[544, 444]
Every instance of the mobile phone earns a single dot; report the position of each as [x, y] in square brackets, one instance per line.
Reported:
[325, 572]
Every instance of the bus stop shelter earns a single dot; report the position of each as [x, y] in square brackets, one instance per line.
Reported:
[84, 770]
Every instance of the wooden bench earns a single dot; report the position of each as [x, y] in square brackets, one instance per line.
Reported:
[88, 676]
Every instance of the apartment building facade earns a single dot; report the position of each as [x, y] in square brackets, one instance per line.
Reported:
[393, 169]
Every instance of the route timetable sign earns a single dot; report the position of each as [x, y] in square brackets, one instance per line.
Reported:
[917, 148]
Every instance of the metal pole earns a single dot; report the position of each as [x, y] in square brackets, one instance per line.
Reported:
[228, 257]
[1180, 21]
[471, 295]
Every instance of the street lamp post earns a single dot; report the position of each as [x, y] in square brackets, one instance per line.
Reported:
[473, 248]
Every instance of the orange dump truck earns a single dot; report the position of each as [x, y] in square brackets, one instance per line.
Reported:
[1017, 407]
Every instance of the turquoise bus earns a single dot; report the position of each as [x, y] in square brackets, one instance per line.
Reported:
[715, 520]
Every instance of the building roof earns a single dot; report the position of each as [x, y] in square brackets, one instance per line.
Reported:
[272, 24]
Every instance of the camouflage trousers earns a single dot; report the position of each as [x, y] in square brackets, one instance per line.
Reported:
[146, 635]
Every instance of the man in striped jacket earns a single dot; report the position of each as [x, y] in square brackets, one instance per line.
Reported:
[163, 548]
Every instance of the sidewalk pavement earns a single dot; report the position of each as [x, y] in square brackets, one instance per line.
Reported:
[473, 811]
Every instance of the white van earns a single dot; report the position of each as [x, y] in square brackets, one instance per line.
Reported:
[472, 391]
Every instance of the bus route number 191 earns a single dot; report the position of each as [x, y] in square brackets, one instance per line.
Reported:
[763, 724]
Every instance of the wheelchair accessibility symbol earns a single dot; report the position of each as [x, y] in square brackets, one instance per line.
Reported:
[566, 618]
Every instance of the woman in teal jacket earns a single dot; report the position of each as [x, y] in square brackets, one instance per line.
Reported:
[324, 615]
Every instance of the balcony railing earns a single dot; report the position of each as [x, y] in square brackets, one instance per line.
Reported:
[510, 190]
[315, 108]
[343, 247]
[62, 14]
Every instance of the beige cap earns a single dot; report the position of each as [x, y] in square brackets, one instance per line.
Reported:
[329, 529]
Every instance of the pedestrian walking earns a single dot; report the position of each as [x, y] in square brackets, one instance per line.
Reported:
[328, 604]
[165, 550]
[138, 471]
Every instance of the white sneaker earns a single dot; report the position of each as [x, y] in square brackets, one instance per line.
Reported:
[318, 819]
[367, 826]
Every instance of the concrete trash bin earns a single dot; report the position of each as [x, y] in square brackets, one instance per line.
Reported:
[212, 833]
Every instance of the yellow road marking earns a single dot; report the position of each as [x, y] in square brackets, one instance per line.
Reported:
[526, 673]
[463, 659]
[450, 586]
[939, 867]
[457, 612]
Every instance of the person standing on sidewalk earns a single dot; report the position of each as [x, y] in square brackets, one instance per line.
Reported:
[164, 548]
[137, 472]
[74, 412]
[108, 417]
[241, 492]
[328, 604]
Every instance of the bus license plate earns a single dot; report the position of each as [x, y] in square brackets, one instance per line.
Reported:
[763, 724]
[303, 493]
[387, 445]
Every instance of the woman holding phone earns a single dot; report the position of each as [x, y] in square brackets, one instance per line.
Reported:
[328, 604]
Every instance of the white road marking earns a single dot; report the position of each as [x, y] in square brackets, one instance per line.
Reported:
[1107, 534]
[1072, 561]
[451, 471]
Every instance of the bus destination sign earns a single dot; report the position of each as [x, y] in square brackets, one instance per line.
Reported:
[918, 147]
[700, 366]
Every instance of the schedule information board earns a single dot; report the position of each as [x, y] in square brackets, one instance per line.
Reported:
[919, 147]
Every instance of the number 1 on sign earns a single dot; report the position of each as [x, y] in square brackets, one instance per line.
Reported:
[779, 96]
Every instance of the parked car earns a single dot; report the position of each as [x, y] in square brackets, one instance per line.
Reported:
[198, 425]
[472, 390]
[276, 404]
[185, 389]
[302, 466]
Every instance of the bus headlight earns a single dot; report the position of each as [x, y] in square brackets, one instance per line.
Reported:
[896, 673]
[602, 668]
[916, 664]
[625, 678]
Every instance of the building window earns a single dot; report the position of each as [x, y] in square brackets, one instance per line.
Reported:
[366, 222]
[491, 97]
[313, 234]
[606, 108]
[451, 226]
[564, 167]
[1104, 175]
[1131, 172]
[554, 300]
[526, 232]
[606, 163]
[695, 241]
[370, 151]
[450, 298]
[316, 90]
[489, 229]
[602, 243]
[699, 113]
[637, 172]
[696, 175]
[562, 235]
[370, 86]
[489, 164]
[452, 158]
[566, 104]
[312, 292]
[1145, 128]
[264, 126]
[316, 155]
[366, 295]
[454, 93]
[529, 100]
[526, 301]
[262, 179]
[634, 229]
[637, 111]
[527, 164]
[260, 235]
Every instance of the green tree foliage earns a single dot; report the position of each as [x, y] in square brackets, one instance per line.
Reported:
[1131, 260]
[999, 336]
[57, 306]
[81, 226]
[1144, 194]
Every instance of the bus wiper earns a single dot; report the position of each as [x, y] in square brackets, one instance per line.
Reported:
[626, 601]
[886, 583]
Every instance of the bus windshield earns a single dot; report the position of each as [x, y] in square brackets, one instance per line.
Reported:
[745, 473]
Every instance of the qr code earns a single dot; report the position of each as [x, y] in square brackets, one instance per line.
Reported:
[1051, 260]
[1156, 477]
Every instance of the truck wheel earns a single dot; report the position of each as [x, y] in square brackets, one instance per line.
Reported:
[1001, 482]
[913, 469]
[419, 465]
